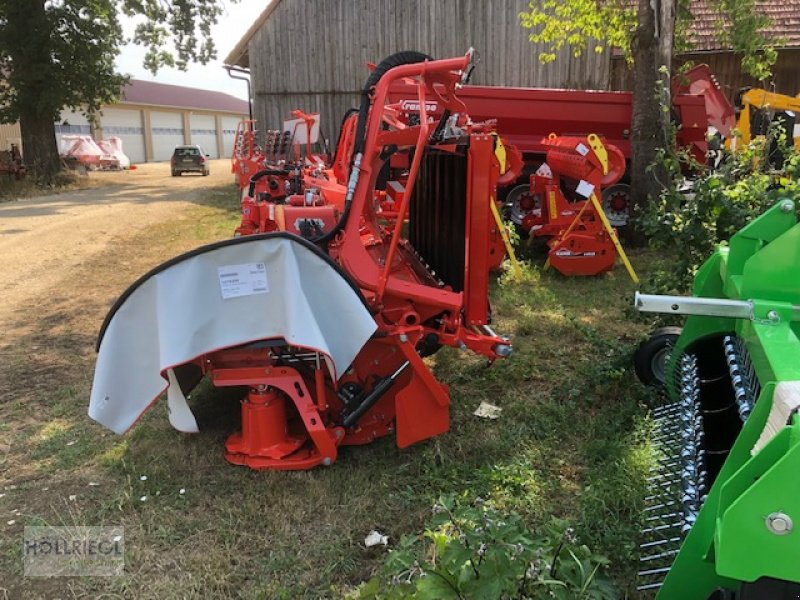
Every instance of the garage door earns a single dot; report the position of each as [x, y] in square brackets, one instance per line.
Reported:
[229, 125]
[127, 126]
[167, 128]
[204, 133]
[72, 122]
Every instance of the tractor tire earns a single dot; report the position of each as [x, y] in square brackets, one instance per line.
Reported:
[650, 358]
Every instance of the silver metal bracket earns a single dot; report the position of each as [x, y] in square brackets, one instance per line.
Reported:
[708, 307]
[688, 305]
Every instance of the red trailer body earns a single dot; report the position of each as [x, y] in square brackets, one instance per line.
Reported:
[525, 116]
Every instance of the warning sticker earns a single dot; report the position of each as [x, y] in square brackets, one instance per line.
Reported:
[243, 280]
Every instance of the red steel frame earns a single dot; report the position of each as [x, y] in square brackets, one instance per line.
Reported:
[291, 417]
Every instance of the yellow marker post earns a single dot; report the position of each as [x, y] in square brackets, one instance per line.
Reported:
[614, 238]
[504, 234]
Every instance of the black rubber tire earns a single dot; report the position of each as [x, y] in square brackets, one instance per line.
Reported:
[175, 173]
[649, 359]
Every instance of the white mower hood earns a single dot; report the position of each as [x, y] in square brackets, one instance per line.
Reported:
[235, 292]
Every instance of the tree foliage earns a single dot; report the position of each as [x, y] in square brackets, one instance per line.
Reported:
[187, 21]
[688, 223]
[57, 54]
[579, 23]
[741, 27]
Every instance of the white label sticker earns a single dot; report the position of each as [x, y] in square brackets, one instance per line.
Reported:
[582, 150]
[585, 188]
[243, 280]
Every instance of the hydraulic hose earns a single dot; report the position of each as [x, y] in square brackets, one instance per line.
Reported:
[395, 60]
[350, 111]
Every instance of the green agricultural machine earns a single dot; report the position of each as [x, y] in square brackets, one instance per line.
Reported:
[723, 512]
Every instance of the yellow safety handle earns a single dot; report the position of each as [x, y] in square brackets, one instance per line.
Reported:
[599, 150]
[504, 234]
[624, 257]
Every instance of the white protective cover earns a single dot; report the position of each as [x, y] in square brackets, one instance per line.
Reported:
[179, 313]
[113, 147]
[82, 147]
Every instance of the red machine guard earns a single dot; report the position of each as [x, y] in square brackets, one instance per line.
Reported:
[422, 396]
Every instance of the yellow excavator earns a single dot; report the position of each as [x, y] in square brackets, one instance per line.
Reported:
[757, 108]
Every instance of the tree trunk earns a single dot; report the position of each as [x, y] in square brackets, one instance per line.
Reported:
[652, 49]
[39, 151]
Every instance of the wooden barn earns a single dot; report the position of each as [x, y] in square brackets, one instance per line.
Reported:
[313, 54]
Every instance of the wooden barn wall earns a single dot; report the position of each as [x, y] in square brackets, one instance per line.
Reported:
[728, 69]
[312, 54]
[9, 134]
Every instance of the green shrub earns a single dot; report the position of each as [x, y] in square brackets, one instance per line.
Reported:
[475, 552]
[689, 225]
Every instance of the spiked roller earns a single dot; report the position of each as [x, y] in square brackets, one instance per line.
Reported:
[724, 494]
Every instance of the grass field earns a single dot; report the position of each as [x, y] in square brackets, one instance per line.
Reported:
[571, 442]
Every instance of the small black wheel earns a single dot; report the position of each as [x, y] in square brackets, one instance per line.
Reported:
[650, 358]
[175, 173]
[428, 345]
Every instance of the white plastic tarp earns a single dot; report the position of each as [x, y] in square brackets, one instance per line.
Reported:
[223, 296]
[113, 147]
[83, 147]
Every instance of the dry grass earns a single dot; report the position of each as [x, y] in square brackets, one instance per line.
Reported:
[12, 189]
[569, 443]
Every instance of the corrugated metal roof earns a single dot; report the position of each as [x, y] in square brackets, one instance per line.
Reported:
[163, 94]
[784, 17]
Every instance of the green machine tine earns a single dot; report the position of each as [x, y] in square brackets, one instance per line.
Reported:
[730, 541]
